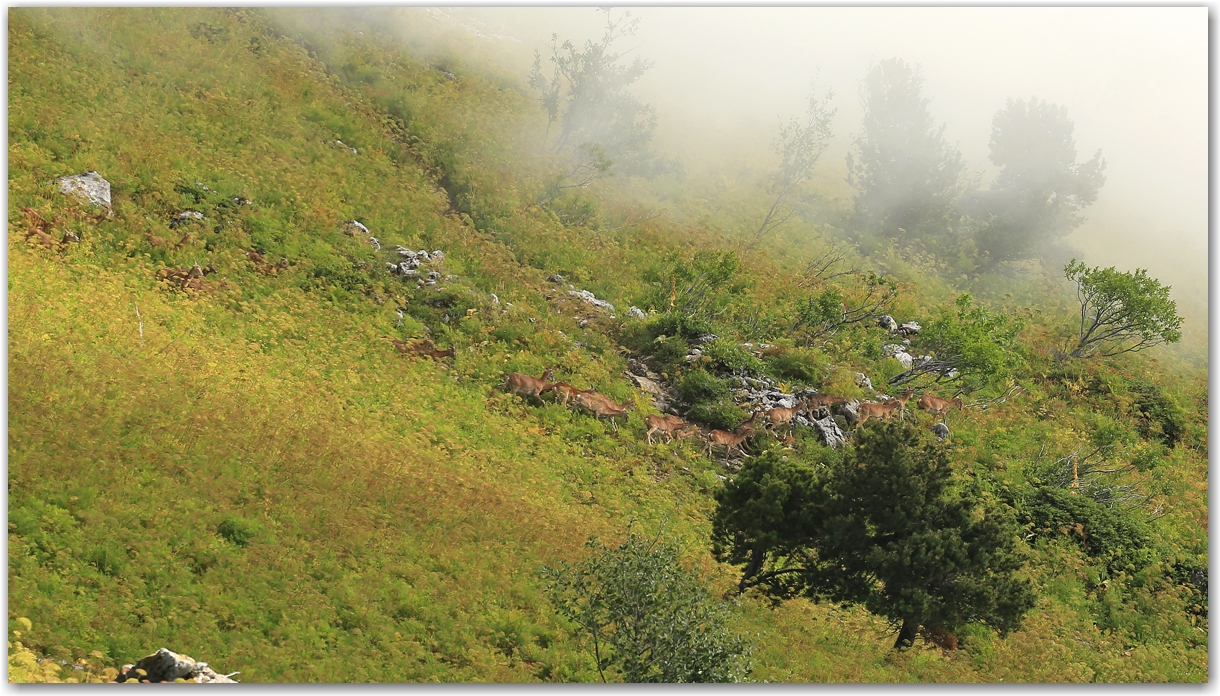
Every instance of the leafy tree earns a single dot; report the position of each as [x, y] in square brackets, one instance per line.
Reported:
[600, 121]
[883, 527]
[800, 144]
[906, 175]
[1121, 312]
[647, 618]
[1040, 190]
[968, 344]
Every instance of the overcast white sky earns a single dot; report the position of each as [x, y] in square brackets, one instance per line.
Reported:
[1134, 80]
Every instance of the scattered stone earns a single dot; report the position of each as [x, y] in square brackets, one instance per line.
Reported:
[495, 300]
[340, 143]
[706, 338]
[828, 432]
[910, 328]
[941, 430]
[167, 666]
[862, 380]
[589, 298]
[636, 312]
[190, 215]
[89, 187]
[555, 278]
[438, 255]
[906, 359]
[952, 373]
[646, 385]
[351, 228]
[887, 322]
[376, 244]
[849, 410]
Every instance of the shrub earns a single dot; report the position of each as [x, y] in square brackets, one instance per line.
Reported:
[726, 356]
[239, 531]
[720, 413]
[648, 619]
[800, 364]
[700, 385]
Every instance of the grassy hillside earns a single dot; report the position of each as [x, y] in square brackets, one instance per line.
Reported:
[252, 475]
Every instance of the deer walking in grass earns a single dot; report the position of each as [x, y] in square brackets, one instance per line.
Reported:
[564, 392]
[746, 427]
[902, 402]
[601, 406]
[938, 406]
[525, 385]
[728, 440]
[869, 409]
[666, 425]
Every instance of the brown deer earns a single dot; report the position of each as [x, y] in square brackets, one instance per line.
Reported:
[902, 400]
[938, 406]
[780, 416]
[821, 400]
[666, 425]
[885, 411]
[563, 391]
[601, 406]
[729, 440]
[746, 427]
[38, 229]
[524, 385]
[161, 243]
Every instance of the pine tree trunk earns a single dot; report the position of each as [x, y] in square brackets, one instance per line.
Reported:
[906, 635]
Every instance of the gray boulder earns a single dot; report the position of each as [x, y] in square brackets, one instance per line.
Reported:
[941, 430]
[89, 187]
[887, 322]
[589, 298]
[862, 380]
[828, 432]
[849, 410]
[910, 328]
[636, 312]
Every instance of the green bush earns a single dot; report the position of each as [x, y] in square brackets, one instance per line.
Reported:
[799, 364]
[1112, 537]
[720, 413]
[239, 531]
[677, 324]
[727, 356]
[700, 385]
[646, 618]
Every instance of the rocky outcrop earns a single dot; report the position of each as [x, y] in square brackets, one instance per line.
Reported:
[887, 322]
[941, 430]
[862, 380]
[168, 666]
[828, 432]
[589, 298]
[89, 187]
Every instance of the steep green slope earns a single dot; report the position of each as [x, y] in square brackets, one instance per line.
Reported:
[252, 475]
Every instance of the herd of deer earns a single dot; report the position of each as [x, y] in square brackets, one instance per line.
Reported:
[602, 406]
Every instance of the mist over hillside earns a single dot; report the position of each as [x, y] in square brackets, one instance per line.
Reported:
[405, 345]
[1134, 81]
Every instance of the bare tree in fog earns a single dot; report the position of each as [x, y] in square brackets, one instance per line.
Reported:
[800, 144]
[1040, 190]
[906, 175]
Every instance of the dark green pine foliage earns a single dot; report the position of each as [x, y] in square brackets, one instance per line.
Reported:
[884, 527]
